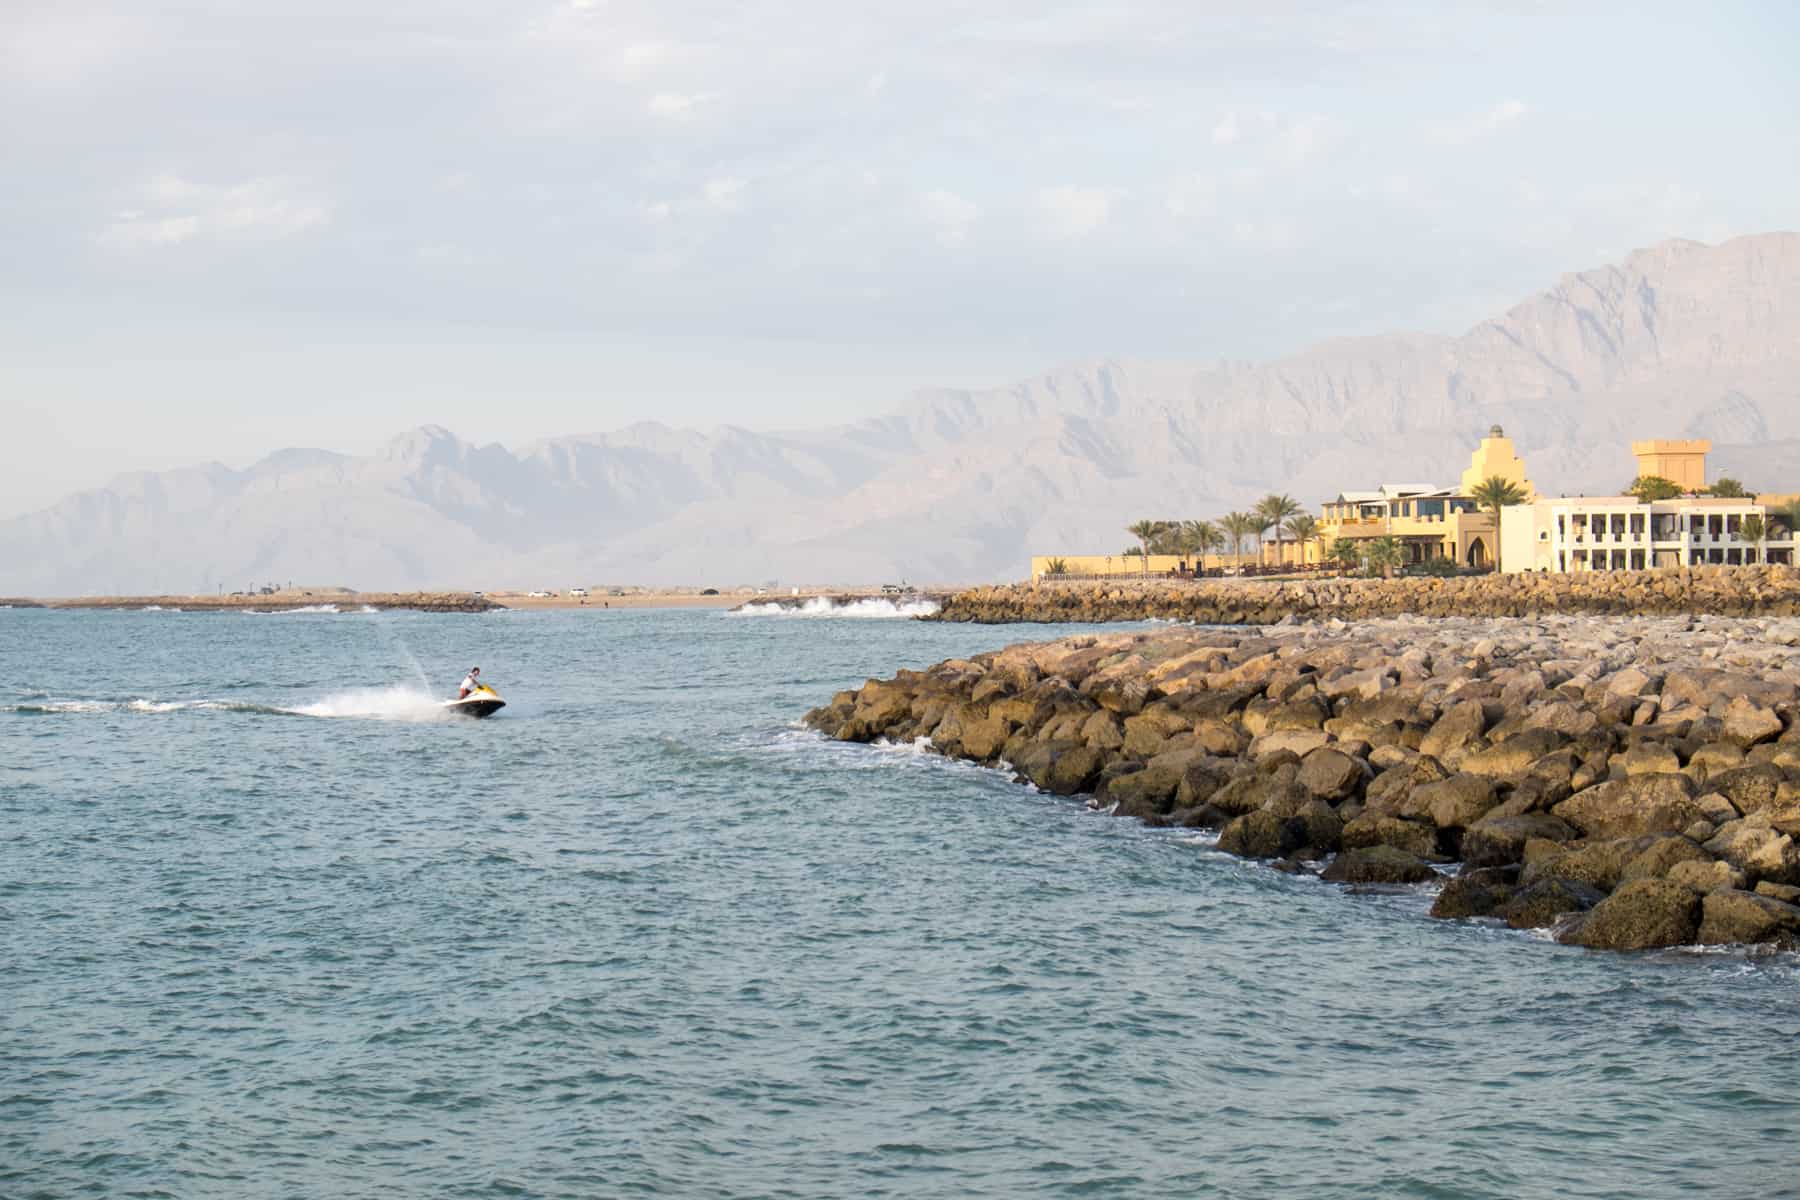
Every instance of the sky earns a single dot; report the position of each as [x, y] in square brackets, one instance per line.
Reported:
[230, 227]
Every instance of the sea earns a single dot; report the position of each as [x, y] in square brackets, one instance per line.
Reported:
[271, 925]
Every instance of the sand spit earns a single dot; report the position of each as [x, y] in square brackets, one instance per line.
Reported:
[1626, 782]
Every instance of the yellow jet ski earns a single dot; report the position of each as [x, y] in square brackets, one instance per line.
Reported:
[484, 701]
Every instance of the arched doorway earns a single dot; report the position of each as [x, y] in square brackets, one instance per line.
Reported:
[1478, 554]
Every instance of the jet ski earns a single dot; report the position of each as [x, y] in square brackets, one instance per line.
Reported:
[484, 701]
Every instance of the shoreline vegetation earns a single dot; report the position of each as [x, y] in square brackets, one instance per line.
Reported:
[1761, 590]
[1627, 783]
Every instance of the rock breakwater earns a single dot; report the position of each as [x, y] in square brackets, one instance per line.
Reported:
[289, 602]
[1632, 783]
[1720, 591]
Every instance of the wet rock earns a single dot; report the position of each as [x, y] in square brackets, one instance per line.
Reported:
[1474, 894]
[1259, 835]
[1599, 864]
[1540, 904]
[1499, 841]
[1641, 915]
[1378, 864]
[1729, 916]
[1414, 837]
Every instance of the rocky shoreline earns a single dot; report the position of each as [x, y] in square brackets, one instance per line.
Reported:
[1716, 590]
[1629, 783]
[283, 602]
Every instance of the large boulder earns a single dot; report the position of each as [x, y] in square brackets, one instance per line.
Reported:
[1259, 835]
[1641, 915]
[1732, 916]
[1747, 722]
[1378, 864]
[1456, 802]
[1330, 774]
[1650, 758]
[1708, 875]
[1661, 856]
[1599, 864]
[1499, 841]
[1539, 905]
[1750, 789]
[1300, 742]
[1757, 849]
[1063, 768]
[1513, 757]
[1620, 808]
[1474, 894]
[1461, 724]
[1372, 829]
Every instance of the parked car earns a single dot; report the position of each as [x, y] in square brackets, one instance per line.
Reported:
[538, 595]
[581, 592]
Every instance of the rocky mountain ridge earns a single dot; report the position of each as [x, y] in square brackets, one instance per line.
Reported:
[1678, 340]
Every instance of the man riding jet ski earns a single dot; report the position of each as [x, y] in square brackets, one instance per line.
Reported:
[475, 698]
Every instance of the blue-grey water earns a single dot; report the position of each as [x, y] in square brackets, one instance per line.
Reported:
[269, 929]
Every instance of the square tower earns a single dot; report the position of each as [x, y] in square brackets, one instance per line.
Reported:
[1681, 463]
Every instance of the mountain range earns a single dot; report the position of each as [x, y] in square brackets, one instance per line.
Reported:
[1680, 339]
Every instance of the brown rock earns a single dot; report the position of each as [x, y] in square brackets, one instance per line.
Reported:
[1499, 841]
[1538, 905]
[1473, 894]
[1329, 774]
[1632, 807]
[1730, 916]
[1377, 864]
[1459, 726]
[1414, 837]
[1640, 915]
[1456, 802]
[1757, 849]
[1747, 722]
[1661, 856]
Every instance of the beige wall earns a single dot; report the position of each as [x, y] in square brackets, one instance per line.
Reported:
[1495, 456]
[1124, 564]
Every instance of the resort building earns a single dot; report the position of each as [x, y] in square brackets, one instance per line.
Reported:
[1623, 533]
[1430, 522]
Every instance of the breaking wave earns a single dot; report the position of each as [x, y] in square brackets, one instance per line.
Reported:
[824, 606]
[41, 706]
[290, 612]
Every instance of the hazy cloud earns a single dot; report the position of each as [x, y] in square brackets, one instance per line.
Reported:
[950, 213]
[725, 193]
[177, 210]
[1073, 212]
[1503, 114]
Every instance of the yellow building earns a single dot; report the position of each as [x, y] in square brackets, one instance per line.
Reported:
[1124, 565]
[1431, 522]
[1681, 463]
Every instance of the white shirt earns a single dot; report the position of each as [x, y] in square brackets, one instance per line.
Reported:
[469, 684]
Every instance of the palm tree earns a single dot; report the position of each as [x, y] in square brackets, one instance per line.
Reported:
[1304, 527]
[1345, 552]
[1385, 553]
[1276, 509]
[1143, 531]
[1753, 529]
[1204, 535]
[1495, 493]
[1237, 525]
[1728, 487]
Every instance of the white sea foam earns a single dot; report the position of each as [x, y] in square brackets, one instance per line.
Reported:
[823, 606]
[397, 703]
[290, 612]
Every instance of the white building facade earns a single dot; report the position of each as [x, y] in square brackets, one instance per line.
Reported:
[1622, 533]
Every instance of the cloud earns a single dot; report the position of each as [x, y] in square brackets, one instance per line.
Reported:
[951, 214]
[176, 210]
[1227, 130]
[677, 105]
[725, 193]
[1503, 114]
[1072, 212]
[658, 211]
[1192, 196]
